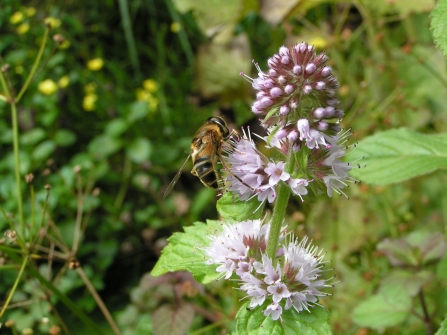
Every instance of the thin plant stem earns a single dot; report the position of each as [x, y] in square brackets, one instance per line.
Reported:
[35, 65]
[127, 171]
[77, 230]
[98, 300]
[15, 130]
[31, 232]
[14, 287]
[426, 318]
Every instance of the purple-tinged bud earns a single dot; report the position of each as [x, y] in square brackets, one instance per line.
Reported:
[329, 111]
[260, 94]
[258, 104]
[271, 62]
[284, 51]
[339, 113]
[326, 71]
[310, 68]
[307, 89]
[304, 128]
[258, 83]
[255, 109]
[294, 105]
[289, 89]
[318, 113]
[320, 85]
[322, 126]
[269, 83]
[293, 135]
[284, 110]
[297, 69]
[336, 128]
[282, 80]
[272, 73]
[332, 102]
[281, 133]
[310, 48]
[302, 47]
[266, 101]
[296, 147]
[285, 60]
[276, 92]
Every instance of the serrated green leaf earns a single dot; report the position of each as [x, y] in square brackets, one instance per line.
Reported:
[385, 309]
[443, 329]
[439, 25]
[185, 252]
[397, 155]
[254, 322]
[139, 150]
[230, 208]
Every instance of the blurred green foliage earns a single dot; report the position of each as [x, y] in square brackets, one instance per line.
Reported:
[108, 119]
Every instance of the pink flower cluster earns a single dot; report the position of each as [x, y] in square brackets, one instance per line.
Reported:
[292, 280]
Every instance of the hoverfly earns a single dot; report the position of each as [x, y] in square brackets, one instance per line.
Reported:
[206, 147]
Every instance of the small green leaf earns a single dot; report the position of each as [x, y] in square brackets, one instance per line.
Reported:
[32, 136]
[116, 127]
[173, 320]
[138, 110]
[64, 137]
[230, 208]
[412, 282]
[185, 252]
[397, 155]
[43, 150]
[139, 150]
[254, 322]
[104, 145]
[386, 309]
[415, 249]
[443, 329]
[439, 25]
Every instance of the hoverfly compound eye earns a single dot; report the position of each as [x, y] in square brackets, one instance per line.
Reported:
[221, 123]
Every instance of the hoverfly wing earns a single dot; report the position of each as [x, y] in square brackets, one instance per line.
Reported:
[177, 176]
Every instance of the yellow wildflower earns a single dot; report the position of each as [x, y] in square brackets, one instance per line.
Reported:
[175, 27]
[47, 87]
[90, 88]
[64, 81]
[53, 22]
[89, 101]
[142, 95]
[64, 45]
[318, 42]
[30, 11]
[23, 28]
[95, 64]
[153, 102]
[150, 85]
[17, 17]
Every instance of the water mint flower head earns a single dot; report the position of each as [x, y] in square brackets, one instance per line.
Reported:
[294, 281]
[236, 245]
[326, 166]
[251, 174]
[294, 76]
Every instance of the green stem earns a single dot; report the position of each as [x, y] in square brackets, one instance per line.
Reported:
[279, 211]
[15, 130]
[8, 300]
[34, 68]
